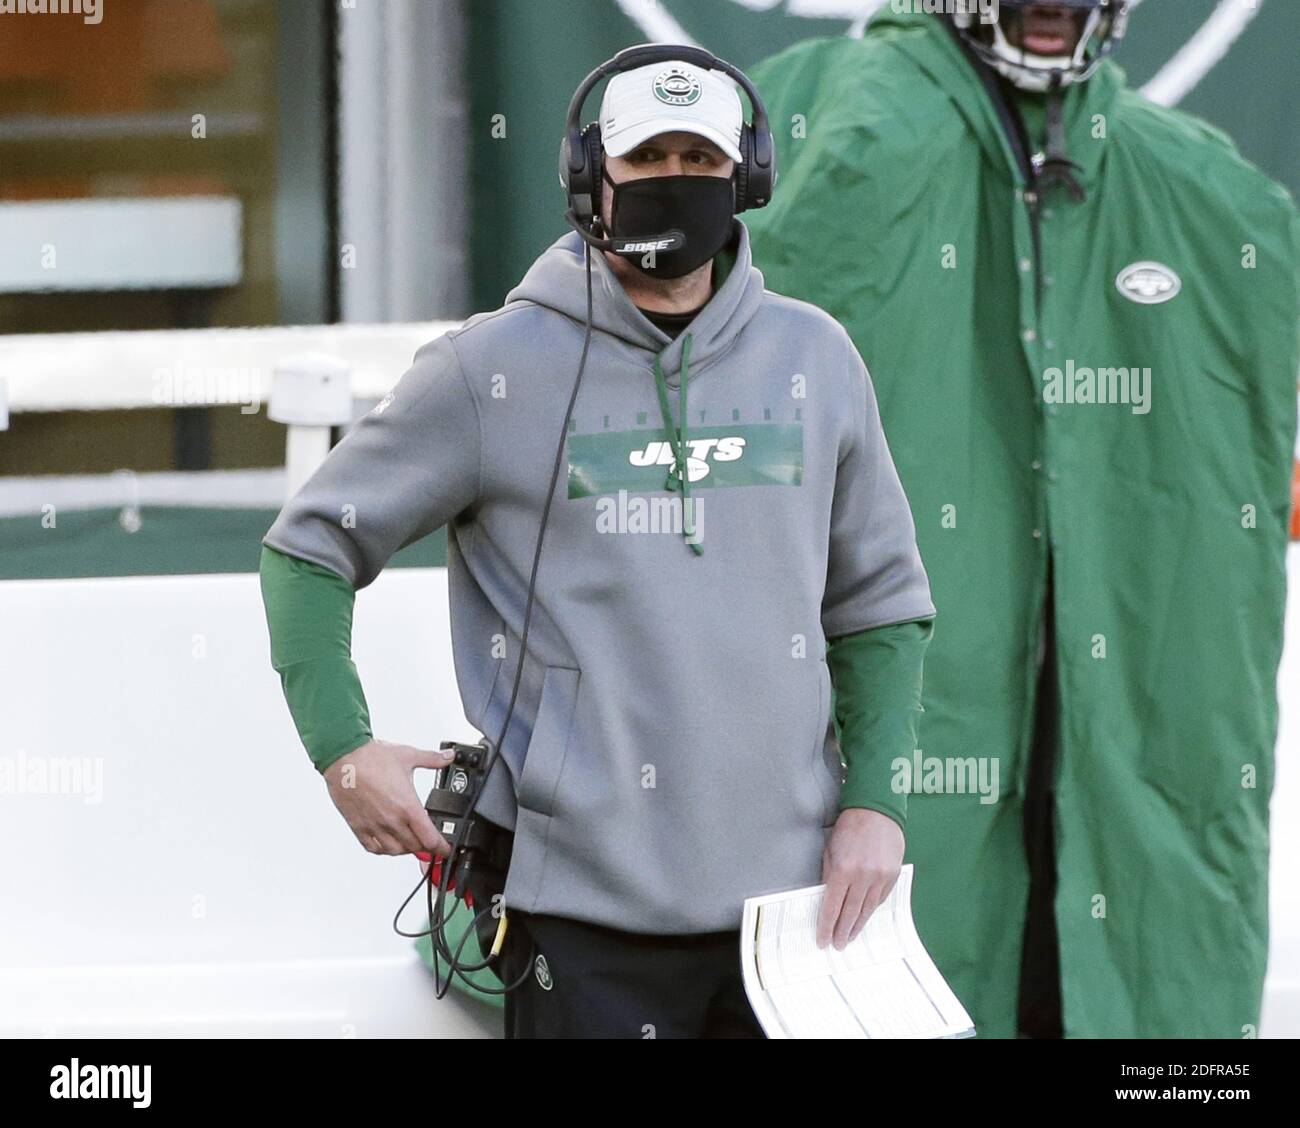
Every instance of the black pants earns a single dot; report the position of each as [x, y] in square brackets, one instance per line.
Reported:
[580, 980]
[1040, 964]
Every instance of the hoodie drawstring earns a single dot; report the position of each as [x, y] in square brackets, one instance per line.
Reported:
[679, 477]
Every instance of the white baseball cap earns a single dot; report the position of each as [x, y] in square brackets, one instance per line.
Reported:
[666, 98]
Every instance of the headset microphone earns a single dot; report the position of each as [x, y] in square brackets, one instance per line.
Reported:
[663, 241]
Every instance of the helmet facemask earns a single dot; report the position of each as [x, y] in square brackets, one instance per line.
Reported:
[1104, 23]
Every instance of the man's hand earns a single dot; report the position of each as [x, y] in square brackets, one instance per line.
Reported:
[859, 866]
[372, 789]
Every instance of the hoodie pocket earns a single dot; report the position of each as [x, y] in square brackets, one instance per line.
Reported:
[826, 766]
[550, 740]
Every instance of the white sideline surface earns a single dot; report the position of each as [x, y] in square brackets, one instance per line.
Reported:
[213, 890]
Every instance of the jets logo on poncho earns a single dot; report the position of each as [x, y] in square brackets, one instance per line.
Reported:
[1149, 283]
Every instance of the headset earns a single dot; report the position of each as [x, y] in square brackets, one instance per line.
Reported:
[581, 162]
[582, 154]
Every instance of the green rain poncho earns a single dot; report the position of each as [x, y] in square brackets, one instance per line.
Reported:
[903, 211]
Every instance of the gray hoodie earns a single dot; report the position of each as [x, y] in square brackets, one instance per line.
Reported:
[672, 750]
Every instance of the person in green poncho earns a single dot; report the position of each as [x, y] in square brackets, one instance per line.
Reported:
[1080, 312]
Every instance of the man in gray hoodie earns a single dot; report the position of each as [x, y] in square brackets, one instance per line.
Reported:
[724, 655]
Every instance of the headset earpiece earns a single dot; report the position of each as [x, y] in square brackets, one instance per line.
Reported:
[744, 170]
[595, 151]
[581, 178]
[756, 174]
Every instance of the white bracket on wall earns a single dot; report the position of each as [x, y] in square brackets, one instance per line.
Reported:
[311, 392]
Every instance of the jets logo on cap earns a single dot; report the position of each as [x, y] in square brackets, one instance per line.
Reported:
[677, 88]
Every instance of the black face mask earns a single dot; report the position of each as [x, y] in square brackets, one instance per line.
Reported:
[667, 226]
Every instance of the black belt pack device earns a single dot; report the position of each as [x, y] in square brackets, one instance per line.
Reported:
[453, 788]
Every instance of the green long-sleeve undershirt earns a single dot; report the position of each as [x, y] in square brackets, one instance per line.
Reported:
[876, 676]
[309, 615]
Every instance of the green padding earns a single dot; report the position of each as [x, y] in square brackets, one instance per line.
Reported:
[471, 954]
[169, 541]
